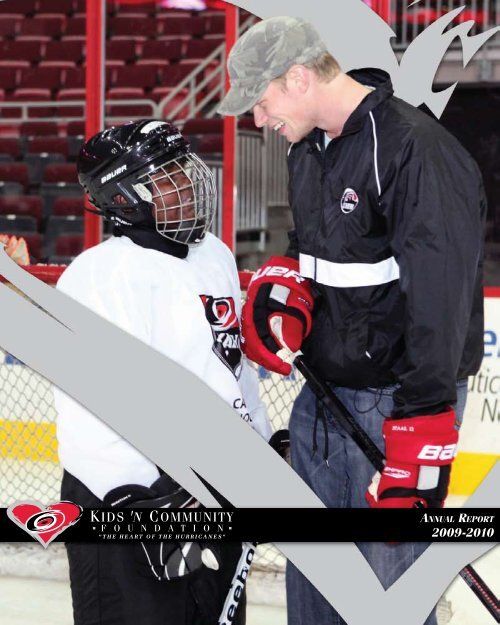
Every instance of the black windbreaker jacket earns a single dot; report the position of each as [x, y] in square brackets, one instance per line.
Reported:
[389, 225]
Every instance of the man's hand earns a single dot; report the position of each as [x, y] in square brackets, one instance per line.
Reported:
[277, 312]
[419, 452]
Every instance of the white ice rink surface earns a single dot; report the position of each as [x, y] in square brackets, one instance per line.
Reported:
[35, 602]
[27, 601]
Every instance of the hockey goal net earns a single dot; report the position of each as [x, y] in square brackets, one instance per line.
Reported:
[28, 447]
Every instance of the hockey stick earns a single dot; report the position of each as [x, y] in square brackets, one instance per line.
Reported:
[237, 584]
[345, 419]
[472, 578]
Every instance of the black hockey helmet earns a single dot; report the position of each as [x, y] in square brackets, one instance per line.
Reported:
[143, 173]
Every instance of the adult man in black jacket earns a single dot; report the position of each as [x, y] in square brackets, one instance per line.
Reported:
[382, 279]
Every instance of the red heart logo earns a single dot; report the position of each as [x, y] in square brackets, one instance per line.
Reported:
[44, 524]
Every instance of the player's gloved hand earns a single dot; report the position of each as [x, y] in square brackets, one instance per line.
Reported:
[163, 493]
[277, 312]
[419, 451]
[280, 442]
[164, 561]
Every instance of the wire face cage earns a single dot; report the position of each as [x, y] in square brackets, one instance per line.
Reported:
[184, 196]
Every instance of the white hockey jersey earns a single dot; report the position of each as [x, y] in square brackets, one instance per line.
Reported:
[188, 309]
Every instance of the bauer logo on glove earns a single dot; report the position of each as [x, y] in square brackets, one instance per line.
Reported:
[277, 314]
[420, 451]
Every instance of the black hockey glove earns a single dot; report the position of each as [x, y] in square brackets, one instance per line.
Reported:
[164, 493]
[280, 442]
[164, 561]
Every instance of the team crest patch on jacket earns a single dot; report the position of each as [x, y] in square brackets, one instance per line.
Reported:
[349, 201]
[221, 315]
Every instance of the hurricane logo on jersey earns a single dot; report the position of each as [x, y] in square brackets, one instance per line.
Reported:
[221, 315]
[348, 201]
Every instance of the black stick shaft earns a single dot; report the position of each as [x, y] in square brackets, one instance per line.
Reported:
[345, 419]
[342, 415]
[482, 591]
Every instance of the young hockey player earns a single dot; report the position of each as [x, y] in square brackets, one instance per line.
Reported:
[164, 278]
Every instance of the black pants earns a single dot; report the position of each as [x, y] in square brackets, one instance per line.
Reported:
[107, 590]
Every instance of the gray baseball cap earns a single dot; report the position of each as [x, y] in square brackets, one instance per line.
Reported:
[263, 53]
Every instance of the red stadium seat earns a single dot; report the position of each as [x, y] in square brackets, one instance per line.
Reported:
[81, 6]
[68, 245]
[62, 66]
[204, 126]
[168, 109]
[22, 205]
[214, 24]
[42, 27]
[50, 78]
[144, 8]
[135, 76]
[81, 39]
[52, 145]
[62, 224]
[209, 73]
[210, 144]
[64, 206]
[120, 50]
[201, 48]
[38, 162]
[169, 49]
[9, 130]
[26, 96]
[38, 129]
[172, 75]
[128, 109]
[20, 7]
[50, 191]
[31, 94]
[75, 78]
[75, 128]
[72, 110]
[71, 94]
[125, 93]
[10, 146]
[159, 93]
[17, 223]
[133, 28]
[64, 7]
[75, 26]
[60, 173]
[26, 51]
[9, 77]
[63, 51]
[187, 26]
[156, 65]
[14, 172]
[9, 26]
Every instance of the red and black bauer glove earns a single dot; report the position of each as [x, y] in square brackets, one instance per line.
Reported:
[419, 454]
[277, 310]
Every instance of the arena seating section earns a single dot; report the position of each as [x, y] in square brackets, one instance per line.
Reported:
[42, 58]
